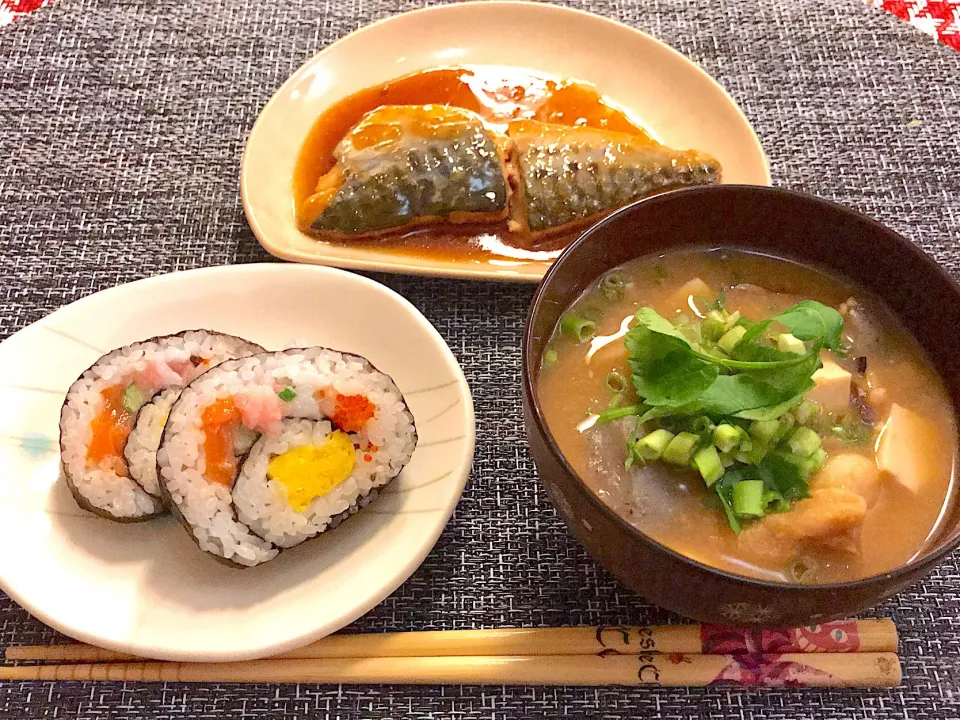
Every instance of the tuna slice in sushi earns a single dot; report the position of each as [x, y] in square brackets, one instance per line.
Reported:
[264, 452]
[113, 415]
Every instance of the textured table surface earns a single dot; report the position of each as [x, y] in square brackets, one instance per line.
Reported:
[121, 128]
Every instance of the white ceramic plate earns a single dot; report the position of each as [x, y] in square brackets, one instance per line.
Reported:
[677, 101]
[145, 588]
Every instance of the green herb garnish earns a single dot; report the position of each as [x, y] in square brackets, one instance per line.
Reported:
[725, 396]
[287, 394]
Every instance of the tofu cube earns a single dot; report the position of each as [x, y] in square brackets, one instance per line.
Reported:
[904, 442]
[832, 391]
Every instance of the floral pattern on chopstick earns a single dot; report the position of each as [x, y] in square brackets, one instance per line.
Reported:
[768, 670]
[839, 636]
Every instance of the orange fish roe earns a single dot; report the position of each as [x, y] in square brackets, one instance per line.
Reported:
[372, 448]
[368, 457]
[352, 412]
[110, 429]
[219, 425]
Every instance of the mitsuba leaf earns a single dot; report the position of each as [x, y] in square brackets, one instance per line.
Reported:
[674, 380]
[810, 320]
[781, 475]
[790, 379]
[754, 330]
[773, 411]
[665, 369]
[733, 394]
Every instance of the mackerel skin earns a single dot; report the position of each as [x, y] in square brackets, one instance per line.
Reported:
[409, 165]
[573, 173]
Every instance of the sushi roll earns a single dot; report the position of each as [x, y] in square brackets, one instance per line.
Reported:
[264, 452]
[113, 415]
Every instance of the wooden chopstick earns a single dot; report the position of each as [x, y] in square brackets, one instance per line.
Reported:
[797, 669]
[857, 636]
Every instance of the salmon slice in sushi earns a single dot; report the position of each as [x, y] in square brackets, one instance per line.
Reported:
[264, 452]
[108, 423]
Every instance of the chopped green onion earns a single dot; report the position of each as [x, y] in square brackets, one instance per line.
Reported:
[804, 442]
[681, 448]
[732, 320]
[773, 502]
[731, 515]
[757, 452]
[612, 286]
[652, 445]
[731, 337]
[787, 421]
[807, 465]
[703, 425]
[748, 498]
[287, 394]
[806, 411]
[707, 461]
[726, 437]
[550, 357]
[616, 382]
[133, 398]
[577, 327]
[764, 431]
[712, 328]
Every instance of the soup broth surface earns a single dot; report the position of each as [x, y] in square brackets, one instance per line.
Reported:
[672, 504]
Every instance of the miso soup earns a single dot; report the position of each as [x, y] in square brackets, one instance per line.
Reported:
[756, 415]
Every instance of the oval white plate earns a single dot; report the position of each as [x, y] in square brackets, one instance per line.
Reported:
[145, 588]
[668, 94]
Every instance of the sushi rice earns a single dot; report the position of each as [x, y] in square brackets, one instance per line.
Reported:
[264, 452]
[104, 443]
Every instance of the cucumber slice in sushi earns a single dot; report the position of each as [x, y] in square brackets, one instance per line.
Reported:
[103, 410]
[328, 432]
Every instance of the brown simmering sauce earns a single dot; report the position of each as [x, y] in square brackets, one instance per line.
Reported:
[498, 94]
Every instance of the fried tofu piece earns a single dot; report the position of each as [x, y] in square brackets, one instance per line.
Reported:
[830, 517]
[849, 471]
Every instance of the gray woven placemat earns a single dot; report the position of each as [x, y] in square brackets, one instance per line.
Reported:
[121, 128]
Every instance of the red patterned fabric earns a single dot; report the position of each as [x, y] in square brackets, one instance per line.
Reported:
[938, 18]
[10, 10]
